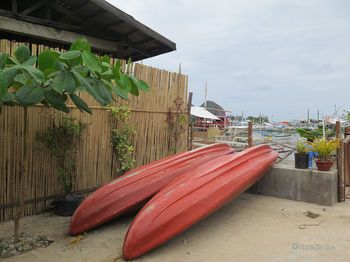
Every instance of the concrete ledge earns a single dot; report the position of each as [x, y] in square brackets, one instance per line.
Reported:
[307, 185]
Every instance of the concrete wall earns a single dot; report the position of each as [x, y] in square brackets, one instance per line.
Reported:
[313, 186]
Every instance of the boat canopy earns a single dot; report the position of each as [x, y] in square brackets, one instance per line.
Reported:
[202, 112]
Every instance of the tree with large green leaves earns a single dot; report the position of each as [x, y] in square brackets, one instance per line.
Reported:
[52, 77]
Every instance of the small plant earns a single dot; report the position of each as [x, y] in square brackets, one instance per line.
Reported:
[324, 148]
[301, 147]
[301, 155]
[120, 114]
[177, 124]
[61, 140]
[121, 139]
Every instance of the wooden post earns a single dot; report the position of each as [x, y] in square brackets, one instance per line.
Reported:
[250, 134]
[346, 154]
[340, 156]
[189, 138]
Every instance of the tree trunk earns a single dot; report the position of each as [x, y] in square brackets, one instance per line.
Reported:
[21, 192]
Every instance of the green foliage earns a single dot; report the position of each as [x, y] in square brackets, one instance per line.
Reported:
[29, 95]
[22, 53]
[62, 140]
[120, 114]
[122, 147]
[60, 74]
[346, 114]
[121, 139]
[312, 134]
[177, 124]
[302, 148]
[47, 61]
[325, 147]
[80, 103]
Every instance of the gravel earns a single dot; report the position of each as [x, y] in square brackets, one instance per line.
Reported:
[27, 241]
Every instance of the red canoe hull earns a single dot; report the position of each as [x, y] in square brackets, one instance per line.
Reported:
[137, 186]
[194, 196]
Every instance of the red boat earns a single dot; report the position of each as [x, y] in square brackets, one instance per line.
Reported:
[194, 196]
[134, 188]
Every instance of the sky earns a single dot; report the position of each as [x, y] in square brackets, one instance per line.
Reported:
[273, 57]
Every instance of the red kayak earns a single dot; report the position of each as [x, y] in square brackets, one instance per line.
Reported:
[134, 188]
[194, 196]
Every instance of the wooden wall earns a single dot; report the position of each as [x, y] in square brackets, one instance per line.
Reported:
[94, 165]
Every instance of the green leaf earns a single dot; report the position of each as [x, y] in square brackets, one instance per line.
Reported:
[8, 98]
[105, 59]
[106, 65]
[81, 80]
[9, 75]
[120, 92]
[80, 44]
[56, 100]
[97, 90]
[140, 84]
[116, 70]
[124, 82]
[129, 62]
[107, 75]
[104, 95]
[91, 62]
[30, 61]
[29, 95]
[47, 60]
[35, 73]
[70, 55]
[22, 79]
[3, 59]
[60, 66]
[22, 53]
[82, 70]
[3, 85]
[133, 88]
[82, 106]
[64, 81]
[12, 61]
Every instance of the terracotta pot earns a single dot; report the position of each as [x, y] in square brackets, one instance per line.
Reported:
[347, 130]
[324, 165]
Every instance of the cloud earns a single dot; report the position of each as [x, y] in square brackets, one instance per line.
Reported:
[276, 57]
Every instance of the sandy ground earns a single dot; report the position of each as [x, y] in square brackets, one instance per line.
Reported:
[250, 228]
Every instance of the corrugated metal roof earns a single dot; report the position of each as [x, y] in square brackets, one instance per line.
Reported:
[202, 112]
[96, 18]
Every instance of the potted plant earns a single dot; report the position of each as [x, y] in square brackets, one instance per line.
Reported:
[301, 155]
[324, 148]
[62, 140]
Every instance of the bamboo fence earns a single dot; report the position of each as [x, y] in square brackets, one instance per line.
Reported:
[94, 165]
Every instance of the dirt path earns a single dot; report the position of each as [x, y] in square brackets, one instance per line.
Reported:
[251, 228]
